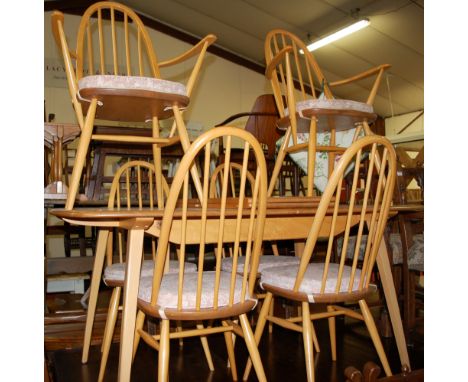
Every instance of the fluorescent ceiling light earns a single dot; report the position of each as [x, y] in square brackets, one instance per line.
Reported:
[339, 34]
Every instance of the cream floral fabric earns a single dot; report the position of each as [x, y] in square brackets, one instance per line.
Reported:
[132, 82]
[333, 104]
[285, 277]
[116, 272]
[167, 297]
[265, 262]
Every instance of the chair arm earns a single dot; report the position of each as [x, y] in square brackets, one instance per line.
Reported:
[245, 114]
[209, 39]
[361, 76]
[276, 60]
[58, 16]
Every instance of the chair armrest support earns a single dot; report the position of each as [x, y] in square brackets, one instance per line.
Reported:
[208, 40]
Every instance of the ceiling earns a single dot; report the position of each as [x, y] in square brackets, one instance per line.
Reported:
[395, 36]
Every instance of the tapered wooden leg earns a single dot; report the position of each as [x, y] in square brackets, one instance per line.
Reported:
[315, 340]
[271, 312]
[109, 330]
[206, 348]
[140, 320]
[370, 323]
[259, 329]
[230, 351]
[308, 342]
[157, 165]
[279, 162]
[179, 326]
[94, 290]
[332, 330]
[385, 272]
[252, 348]
[80, 158]
[132, 278]
[163, 358]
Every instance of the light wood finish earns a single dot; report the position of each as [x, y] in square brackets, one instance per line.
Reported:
[373, 200]
[253, 241]
[287, 217]
[290, 65]
[125, 59]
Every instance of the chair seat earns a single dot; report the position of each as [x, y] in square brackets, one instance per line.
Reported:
[105, 81]
[167, 298]
[116, 272]
[333, 104]
[284, 277]
[265, 262]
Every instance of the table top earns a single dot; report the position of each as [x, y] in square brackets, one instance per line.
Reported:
[276, 207]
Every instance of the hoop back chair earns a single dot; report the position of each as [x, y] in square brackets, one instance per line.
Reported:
[291, 65]
[318, 279]
[132, 187]
[208, 295]
[113, 39]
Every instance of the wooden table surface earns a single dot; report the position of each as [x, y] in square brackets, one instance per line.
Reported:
[287, 218]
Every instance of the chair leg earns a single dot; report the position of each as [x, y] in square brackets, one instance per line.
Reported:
[308, 341]
[315, 340]
[230, 350]
[332, 330]
[372, 328]
[270, 312]
[163, 355]
[259, 329]
[279, 162]
[140, 320]
[179, 327]
[252, 347]
[94, 291]
[206, 348]
[109, 330]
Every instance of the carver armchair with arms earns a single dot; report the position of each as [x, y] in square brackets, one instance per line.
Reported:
[314, 119]
[113, 39]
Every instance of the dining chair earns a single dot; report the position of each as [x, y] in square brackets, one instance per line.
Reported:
[208, 294]
[117, 77]
[331, 280]
[314, 119]
[132, 188]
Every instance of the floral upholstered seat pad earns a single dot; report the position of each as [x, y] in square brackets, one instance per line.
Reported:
[332, 104]
[265, 262]
[116, 272]
[285, 276]
[104, 81]
[168, 292]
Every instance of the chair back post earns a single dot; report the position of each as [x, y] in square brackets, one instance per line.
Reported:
[228, 223]
[367, 206]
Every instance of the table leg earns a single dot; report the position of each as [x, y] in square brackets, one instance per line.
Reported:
[94, 290]
[132, 275]
[385, 272]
